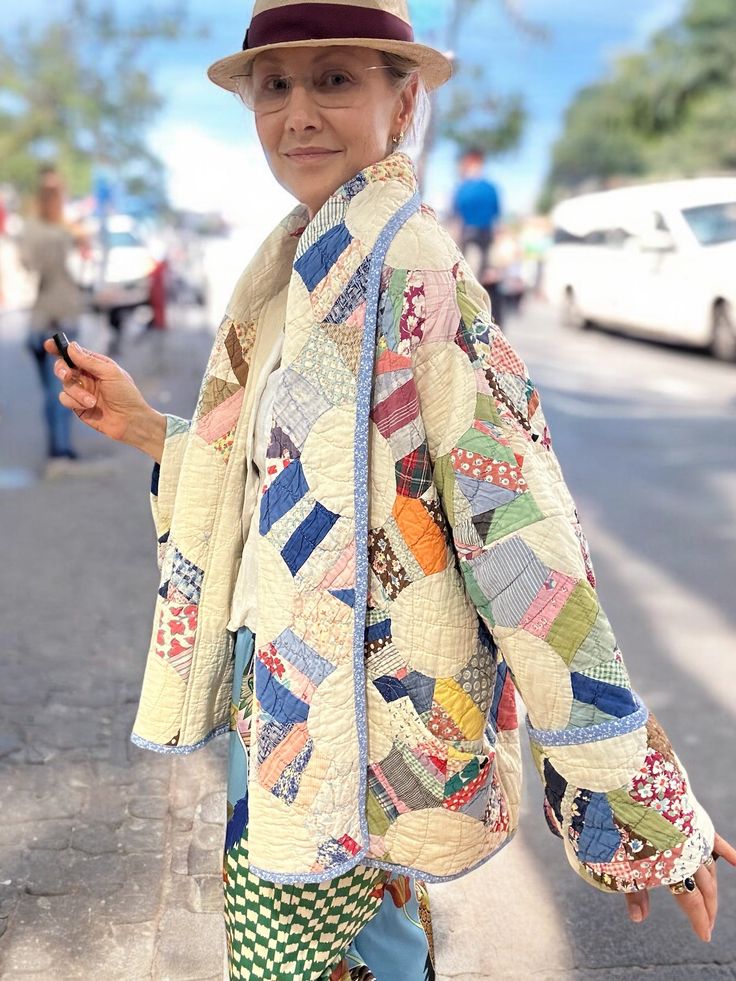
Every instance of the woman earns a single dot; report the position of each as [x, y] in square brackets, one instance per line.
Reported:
[45, 247]
[367, 502]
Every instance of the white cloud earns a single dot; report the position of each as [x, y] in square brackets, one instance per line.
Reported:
[231, 177]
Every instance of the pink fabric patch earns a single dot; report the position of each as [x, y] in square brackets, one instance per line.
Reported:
[441, 311]
[548, 604]
[222, 419]
[342, 574]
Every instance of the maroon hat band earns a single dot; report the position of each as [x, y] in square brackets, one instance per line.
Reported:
[323, 21]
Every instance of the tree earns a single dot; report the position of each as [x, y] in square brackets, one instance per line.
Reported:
[74, 93]
[669, 111]
[477, 116]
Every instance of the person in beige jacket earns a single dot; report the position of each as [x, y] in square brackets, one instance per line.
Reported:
[45, 246]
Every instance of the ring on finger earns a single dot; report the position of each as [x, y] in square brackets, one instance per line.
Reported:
[680, 888]
[710, 860]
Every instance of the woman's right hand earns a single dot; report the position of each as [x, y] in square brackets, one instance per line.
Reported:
[105, 397]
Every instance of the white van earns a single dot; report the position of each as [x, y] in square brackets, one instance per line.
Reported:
[658, 259]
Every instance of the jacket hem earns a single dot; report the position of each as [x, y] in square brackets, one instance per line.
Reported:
[291, 878]
[165, 748]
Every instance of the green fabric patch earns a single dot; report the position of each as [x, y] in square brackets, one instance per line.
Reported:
[378, 822]
[575, 622]
[468, 773]
[537, 756]
[468, 310]
[582, 714]
[485, 445]
[644, 821]
[476, 595]
[519, 513]
[486, 410]
[597, 648]
[444, 479]
[612, 672]
[396, 290]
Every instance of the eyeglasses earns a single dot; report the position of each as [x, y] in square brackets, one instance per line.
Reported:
[335, 88]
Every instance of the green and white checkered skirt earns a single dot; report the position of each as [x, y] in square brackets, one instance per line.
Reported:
[301, 931]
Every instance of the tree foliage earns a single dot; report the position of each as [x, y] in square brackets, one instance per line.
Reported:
[73, 91]
[474, 114]
[668, 111]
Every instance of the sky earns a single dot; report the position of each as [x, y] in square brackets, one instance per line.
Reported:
[207, 139]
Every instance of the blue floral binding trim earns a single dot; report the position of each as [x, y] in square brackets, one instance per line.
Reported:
[178, 750]
[591, 734]
[363, 408]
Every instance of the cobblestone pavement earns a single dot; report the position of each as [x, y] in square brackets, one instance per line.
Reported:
[109, 855]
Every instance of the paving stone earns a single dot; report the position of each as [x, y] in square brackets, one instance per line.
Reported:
[208, 897]
[107, 805]
[203, 861]
[52, 835]
[152, 787]
[11, 738]
[142, 836]
[95, 839]
[180, 843]
[132, 950]
[30, 806]
[208, 835]
[149, 807]
[213, 808]
[188, 945]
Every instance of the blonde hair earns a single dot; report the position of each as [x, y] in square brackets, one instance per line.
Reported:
[402, 71]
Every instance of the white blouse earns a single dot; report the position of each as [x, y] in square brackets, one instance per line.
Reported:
[244, 608]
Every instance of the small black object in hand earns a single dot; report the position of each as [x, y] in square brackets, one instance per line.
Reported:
[62, 345]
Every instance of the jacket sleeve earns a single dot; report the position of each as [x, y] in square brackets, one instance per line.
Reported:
[165, 479]
[615, 791]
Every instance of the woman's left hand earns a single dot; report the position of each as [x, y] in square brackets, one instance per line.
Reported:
[699, 906]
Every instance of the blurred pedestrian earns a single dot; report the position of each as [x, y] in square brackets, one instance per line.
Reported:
[477, 207]
[366, 545]
[45, 245]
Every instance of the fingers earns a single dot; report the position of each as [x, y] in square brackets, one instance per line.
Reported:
[693, 906]
[74, 388]
[705, 880]
[97, 365]
[723, 849]
[77, 405]
[637, 904]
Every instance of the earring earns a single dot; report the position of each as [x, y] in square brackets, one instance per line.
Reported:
[396, 140]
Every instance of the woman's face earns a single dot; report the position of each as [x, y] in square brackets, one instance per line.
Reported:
[313, 148]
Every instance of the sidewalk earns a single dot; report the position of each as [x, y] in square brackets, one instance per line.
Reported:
[109, 855]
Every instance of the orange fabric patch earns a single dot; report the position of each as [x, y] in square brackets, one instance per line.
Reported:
[422, 534]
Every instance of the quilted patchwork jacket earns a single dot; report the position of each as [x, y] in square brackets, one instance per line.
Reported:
[420, 561]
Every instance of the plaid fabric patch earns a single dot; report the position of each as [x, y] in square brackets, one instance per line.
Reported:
[414, 473]
[277, 930]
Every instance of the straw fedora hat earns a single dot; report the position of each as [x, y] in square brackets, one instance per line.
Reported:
[381, 24]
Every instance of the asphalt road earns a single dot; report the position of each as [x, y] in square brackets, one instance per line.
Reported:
[645, 435]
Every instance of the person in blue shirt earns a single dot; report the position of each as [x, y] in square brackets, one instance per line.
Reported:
[477, 206]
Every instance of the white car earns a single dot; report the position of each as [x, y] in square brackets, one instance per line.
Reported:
[116, 272]
[657, 259]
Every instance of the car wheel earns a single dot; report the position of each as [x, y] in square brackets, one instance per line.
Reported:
[723, 342]
[572, 316]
